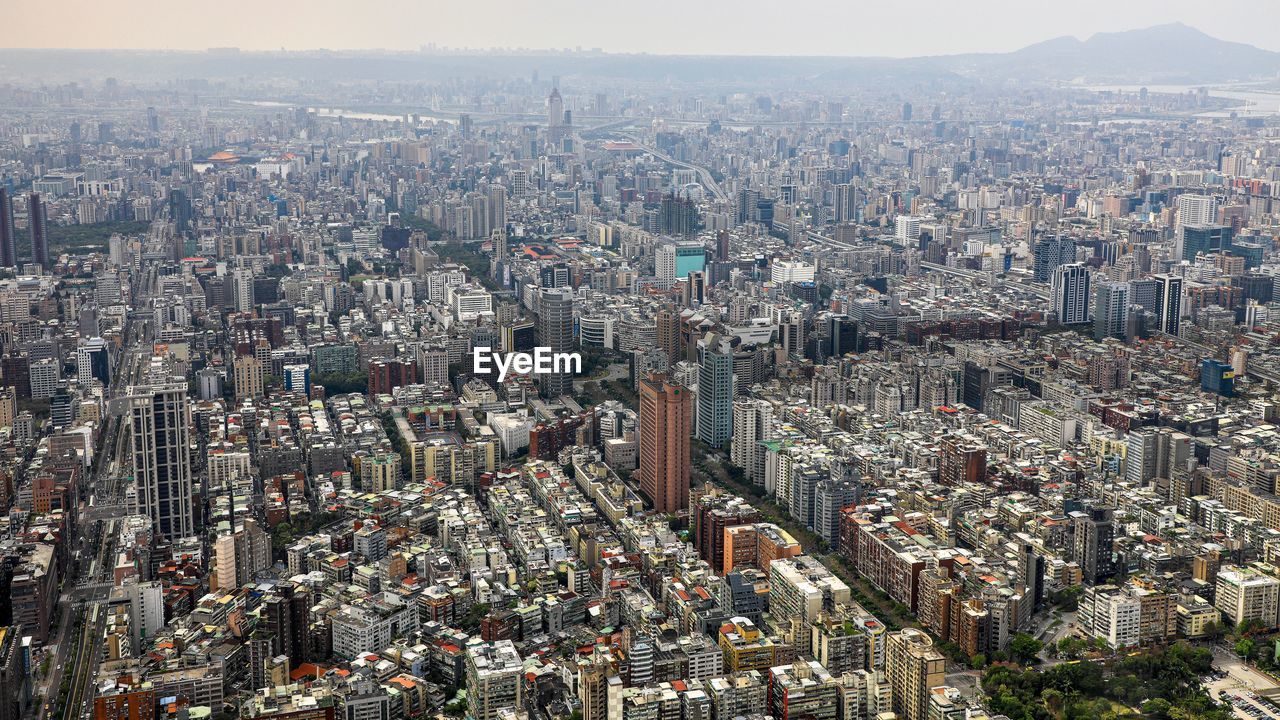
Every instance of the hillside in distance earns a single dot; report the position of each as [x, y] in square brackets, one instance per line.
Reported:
[1168, 54]
[1164, 54]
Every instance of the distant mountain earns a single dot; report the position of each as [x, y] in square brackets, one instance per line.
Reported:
[1165, 54]
[1173, 53]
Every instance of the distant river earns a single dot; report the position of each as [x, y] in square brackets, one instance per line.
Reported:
[353, 114]
[1253, 103]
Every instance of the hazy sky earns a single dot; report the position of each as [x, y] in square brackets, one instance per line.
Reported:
[773, 27]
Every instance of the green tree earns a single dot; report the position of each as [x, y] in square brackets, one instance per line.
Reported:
[1245, 647]
[1025, 649]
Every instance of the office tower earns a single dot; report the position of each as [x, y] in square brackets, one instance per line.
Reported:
[906, 112]
[555, 109]
[846, 203]
[715, 391]
[1197, 209]
[153, 121]
[1069, 294]
[665, 429]
[159, 427]
[1031, 567]
[675, 260]
[912, 667]
[1169, 303]
[555, 332]
[1094, 534]
[1050, 253]
[1202, 239]
[180, 212]
[93, 362]
[1110, 310]
[37, 223]
[495, 678]
[1217, 377]
[8, 238]
[842, 335]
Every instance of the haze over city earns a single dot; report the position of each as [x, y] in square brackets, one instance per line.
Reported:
[652, 361]
[740, 27]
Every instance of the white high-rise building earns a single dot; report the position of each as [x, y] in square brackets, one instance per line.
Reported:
[242, 288]
[906, 228]
[1197, 209]
[146, 609]
[1069, 295]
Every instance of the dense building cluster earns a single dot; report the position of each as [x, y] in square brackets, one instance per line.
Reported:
[858, 399]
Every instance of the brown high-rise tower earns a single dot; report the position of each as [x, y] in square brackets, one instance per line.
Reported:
[666, 424]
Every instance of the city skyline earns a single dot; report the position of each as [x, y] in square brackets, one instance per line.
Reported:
[844, 30]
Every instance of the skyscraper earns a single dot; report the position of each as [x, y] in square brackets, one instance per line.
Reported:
[8, 241]
[1094, 536]
[1169, 303]
[555, 109]
[1110, 310]
[1050, 253]
[37, 223]
[555, 332]
[160, 434]
[715, 391]
[665, 429]
[1069, 294]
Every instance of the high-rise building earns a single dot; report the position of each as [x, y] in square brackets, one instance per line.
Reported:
[1169, 303]
[1050, 253]
[555, 332]
[495, 679]
[1202, 239]
[1243, 593]
[1197, 209]
[677, 215]
[180, 211]
[675, 260]
[665, 430]
[1110, 310]
[37, 224]
[913, 667]
[1069, 293]
[715, 390]
[906, 229]
[1094, 536]
[555, 109]
[248, 375]
[8, 236]
[159, 428]
[93, 362]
